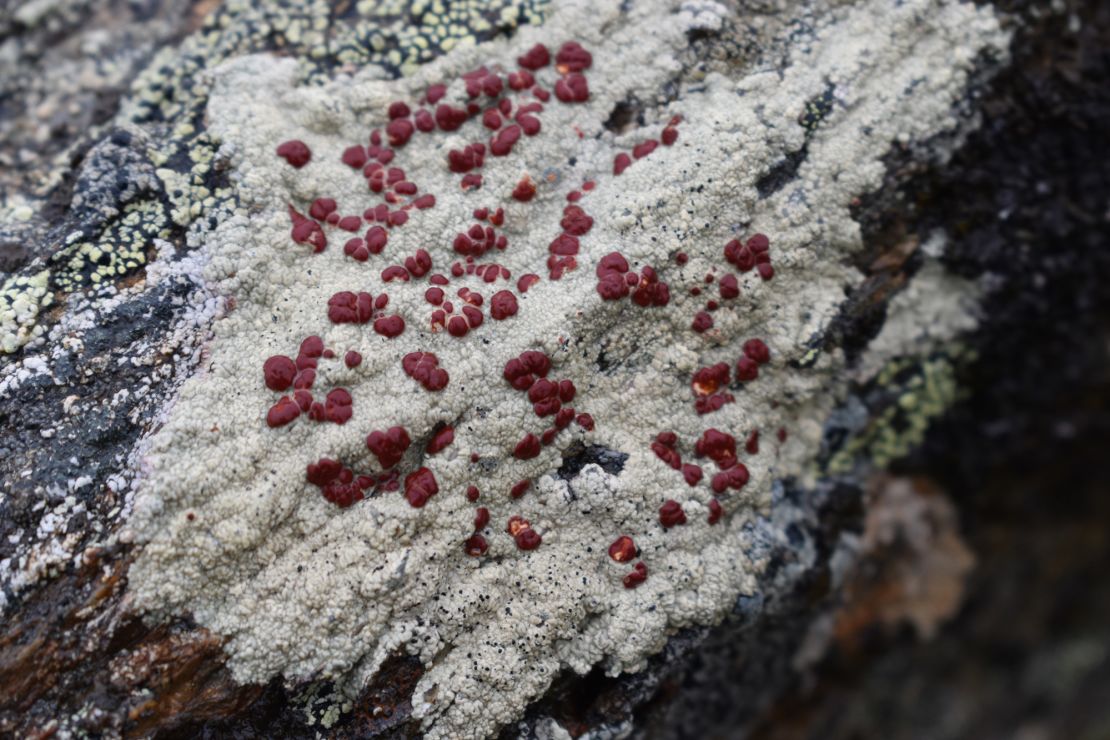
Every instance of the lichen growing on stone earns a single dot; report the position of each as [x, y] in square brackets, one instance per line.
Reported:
[169, 97]
[549, 297]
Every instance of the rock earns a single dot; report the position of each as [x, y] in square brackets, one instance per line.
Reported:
[186, 550]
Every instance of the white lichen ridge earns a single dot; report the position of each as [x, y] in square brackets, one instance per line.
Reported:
[303, 588]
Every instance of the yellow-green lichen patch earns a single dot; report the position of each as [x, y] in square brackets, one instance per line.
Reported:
[397, 35]
[22, 298]
[120, 248]
[190, 179]
[400, 35]
[919, 391]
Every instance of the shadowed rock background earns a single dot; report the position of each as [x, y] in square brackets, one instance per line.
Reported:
[959, 589]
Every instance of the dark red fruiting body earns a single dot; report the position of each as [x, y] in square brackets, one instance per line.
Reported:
[638, 575]
[664, 449]
[751, 446]
[336, 482]
[279, 372]
[295, 152]
[718, 447]
[702, 322]
[502, 305]
[435, 93]
[527, 539]
[520, 488]
[389, 326]
[730, 287]
[576, 221]
[715, 511]
[424, 368]
[571, 57]
[525, 190]
[526, 281]
[337, 406]
[746, 369]
[536, 57]
[671, 514]
[321, 208]
[354, 157]
[346, 307]
[735, 477]
[644, 148]
[621, 163]
[388, 446]
[527, 448]
[481, 518]
[476, 545]
[623, 549]
[572, 89]
[757, 351]
[708, 380]
[282, 412]
[420, 486]
[472, 493]
[448, 118]
[611, 268]
[307, 231]
[440, 440]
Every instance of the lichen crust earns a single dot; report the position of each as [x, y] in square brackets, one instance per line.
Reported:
[433, 506]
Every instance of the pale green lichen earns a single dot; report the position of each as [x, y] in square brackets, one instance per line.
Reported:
[119, 250]
[910, 367]
[22, 298]
[918, 391]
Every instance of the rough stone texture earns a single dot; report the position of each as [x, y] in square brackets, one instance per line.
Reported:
[75, 402]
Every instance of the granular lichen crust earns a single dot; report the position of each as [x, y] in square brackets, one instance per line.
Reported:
[95, 246]
[230, 513]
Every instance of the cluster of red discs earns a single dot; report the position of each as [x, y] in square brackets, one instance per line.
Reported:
[423, 367]
[707, 382]
[615, 281]
[509, 107]
[346, 307]
[744, 256]
[624, 550]
[528, 373]
[719, 447]
[342, 487]
[563, 249]
[623, 161]
[281, 373]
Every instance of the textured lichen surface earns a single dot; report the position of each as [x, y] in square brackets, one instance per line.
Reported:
[167, 99]
[780, 144]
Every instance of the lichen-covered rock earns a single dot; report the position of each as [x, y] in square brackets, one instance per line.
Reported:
[670, 277]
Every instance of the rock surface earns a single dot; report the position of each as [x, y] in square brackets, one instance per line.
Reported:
[170, 568]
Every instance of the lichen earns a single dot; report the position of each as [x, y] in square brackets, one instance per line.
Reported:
[21, 300]
[234, 531]
[908, 375]
[168, 99]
